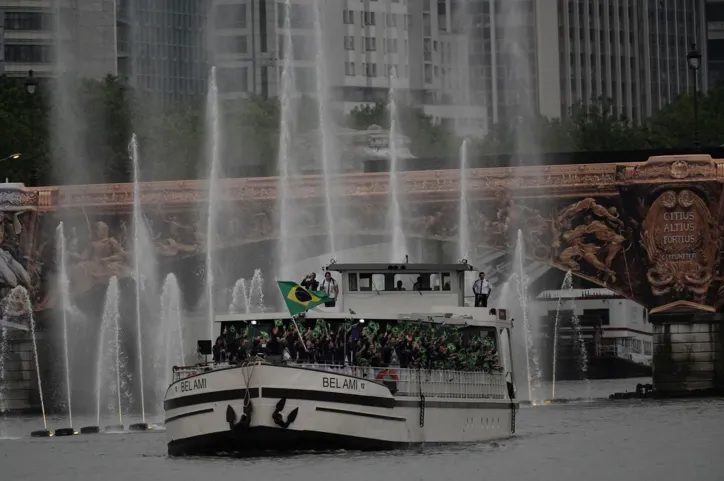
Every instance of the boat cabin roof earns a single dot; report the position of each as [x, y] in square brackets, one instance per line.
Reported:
[450, 318]
[380, 268]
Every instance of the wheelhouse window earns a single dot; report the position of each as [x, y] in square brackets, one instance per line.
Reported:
[352, 281]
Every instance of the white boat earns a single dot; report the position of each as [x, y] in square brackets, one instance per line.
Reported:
[282, 404]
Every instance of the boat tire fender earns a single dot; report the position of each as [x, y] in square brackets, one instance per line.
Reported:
[388, 374]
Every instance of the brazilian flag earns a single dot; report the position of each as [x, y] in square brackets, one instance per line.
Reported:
[299, 299]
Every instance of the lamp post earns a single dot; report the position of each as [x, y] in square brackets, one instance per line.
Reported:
[31, 84]
[11, 156]
[693, 58]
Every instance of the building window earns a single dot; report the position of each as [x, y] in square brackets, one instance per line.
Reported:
[348, 16]
[231, 44]
[27, 21]
[349, 69]
[370, 69]
[28, 53]
[391, 45]
[231, 16]
[349, 42]
[391, 19]
[370, 44]
[369, 18]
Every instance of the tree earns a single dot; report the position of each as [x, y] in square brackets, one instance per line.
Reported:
[595, 127]
[108, 105]
[428, 139]
[23, 123]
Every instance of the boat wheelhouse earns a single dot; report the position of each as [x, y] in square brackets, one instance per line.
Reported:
[383, 368]
[615, 331]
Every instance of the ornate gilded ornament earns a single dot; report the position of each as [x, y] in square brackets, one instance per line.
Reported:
[681, 240]
[592, 233]
[679, 169]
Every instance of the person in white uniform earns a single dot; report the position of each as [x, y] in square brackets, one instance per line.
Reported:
[481, 289]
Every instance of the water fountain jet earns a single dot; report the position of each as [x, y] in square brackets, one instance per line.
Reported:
[65, 306]
[138, 278]
[110, 324]
[289, 239]
[398, 249]
[21, 293]
[464, 240]
[325, 139]
[170, 347]
[567, 287]
[213, 146]
[531, 356]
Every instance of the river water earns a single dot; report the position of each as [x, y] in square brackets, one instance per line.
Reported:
[579, 440]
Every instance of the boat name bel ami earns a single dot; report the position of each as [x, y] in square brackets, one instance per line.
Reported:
[193, 385]
[337, 383]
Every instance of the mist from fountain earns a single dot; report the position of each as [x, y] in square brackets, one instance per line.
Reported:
[579, 344]
[517, 47]
[398, 248]
[213, 149]
[326, 136]
[243, 298]
[111, 361]
[3, 354]
[65, 306]
[169, 346]
[531, 354]
[464, 240]
[289, 239]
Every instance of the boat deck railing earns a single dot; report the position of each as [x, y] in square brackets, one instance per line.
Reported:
[439, 384]
[446, 384]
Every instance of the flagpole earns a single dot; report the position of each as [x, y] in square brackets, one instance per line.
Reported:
[301, 339]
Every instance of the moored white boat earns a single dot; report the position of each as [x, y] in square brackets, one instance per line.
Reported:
[281, 404]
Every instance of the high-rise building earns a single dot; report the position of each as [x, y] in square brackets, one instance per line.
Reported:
[85, 29]
[364, 42]
[557, 53]
[157, 45]
[715, 41]
[161, 49]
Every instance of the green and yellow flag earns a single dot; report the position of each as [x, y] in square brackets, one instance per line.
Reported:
[299, 299]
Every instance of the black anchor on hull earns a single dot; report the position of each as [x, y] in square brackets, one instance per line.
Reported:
[245, 419]
[278, 417]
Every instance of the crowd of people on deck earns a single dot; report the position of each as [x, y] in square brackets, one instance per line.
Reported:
[413, 345]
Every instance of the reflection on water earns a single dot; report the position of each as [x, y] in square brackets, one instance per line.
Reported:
[591, 440]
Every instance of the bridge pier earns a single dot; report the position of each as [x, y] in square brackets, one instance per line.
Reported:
[688, 353]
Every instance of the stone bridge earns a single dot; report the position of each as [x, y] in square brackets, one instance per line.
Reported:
[650, 231]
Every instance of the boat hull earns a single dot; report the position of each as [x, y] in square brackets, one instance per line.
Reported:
[320, 410]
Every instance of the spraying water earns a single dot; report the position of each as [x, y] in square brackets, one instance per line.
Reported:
[325, 139]
[213, 133]
[394, 215]
[65, 306]
[464, 240]
[3, 353]
[243, 297]
[531, 356]
[288, 238]
[110, 346]
[567, 289]
[21, 293]
[170, 351]
[137, 251]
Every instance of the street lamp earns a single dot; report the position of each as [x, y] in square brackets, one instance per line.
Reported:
[11, 156]
[693, 58]
[30, 83]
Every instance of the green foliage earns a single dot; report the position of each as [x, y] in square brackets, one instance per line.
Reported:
[25, 131]
[172, 141]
